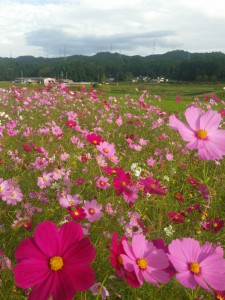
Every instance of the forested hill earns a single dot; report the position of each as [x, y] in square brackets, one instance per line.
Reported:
[174, 65]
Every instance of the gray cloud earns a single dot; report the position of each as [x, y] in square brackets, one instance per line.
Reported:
[54, 40]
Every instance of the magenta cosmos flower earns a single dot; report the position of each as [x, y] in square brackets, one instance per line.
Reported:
[54, 262]
[198, 264]
[202, 133]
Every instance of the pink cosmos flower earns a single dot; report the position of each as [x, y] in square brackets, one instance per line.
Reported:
[198, 264]
[102, 183]
[45, 180]
[145, 260]
[202, 133]
[93, 210]
[106, 149]
[54, 262]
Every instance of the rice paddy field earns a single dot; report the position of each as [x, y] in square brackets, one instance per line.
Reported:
[113, 192]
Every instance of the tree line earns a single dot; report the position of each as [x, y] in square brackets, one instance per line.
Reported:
[175, 65]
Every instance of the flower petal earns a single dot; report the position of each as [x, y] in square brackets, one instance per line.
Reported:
[192, 115]
[210, 120]
[30, 272]
[28, 249]
[43, 291]
[69, 233]
[79, 253]
[46, 237]
[186, 279]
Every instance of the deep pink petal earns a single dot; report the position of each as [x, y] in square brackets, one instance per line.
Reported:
[30, 272]
[46, 237]
[28, 249]
[68, 234]
[43, 291]
[79, 253]
[192, 115]
[64, 288]
[186, 279]
[81, 278]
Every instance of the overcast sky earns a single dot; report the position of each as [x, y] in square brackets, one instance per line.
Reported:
[53, 28]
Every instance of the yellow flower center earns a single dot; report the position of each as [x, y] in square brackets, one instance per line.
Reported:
[102, 183]
[44, 178]
[142, 263]
[215, 225]
[219, 297]
[76, 213]
[201, 134]
[105, 150]
[91, 211]
[56, 263]
[123, 183]
[152, 186]
[194, 267]
[95, 142]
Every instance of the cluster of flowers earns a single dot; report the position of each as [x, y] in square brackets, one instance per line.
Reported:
[55, 262]
[10, 191]
[191, 263]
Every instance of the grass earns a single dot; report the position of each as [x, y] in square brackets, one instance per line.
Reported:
[37, 110]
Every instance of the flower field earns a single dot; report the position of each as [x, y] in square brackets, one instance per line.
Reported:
[106, 197]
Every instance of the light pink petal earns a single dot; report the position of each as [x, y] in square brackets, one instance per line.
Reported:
[209, 152]
[192, 115]
[179, 264]
[161, 276]
[149, 278]
[68, 234]
[186, 250]
[210, 120]
[213, 271]
[215, 280]
[194, 144]
[158, 260]
[30, 272]
[186, 132]
[199, 279]
[139, 245]
[28, 249]
[79, 253]
[128, 263]
[43, 291]
[128, 250]
[186, 279]
[139, 274]
[218, 140]
[46, 237]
